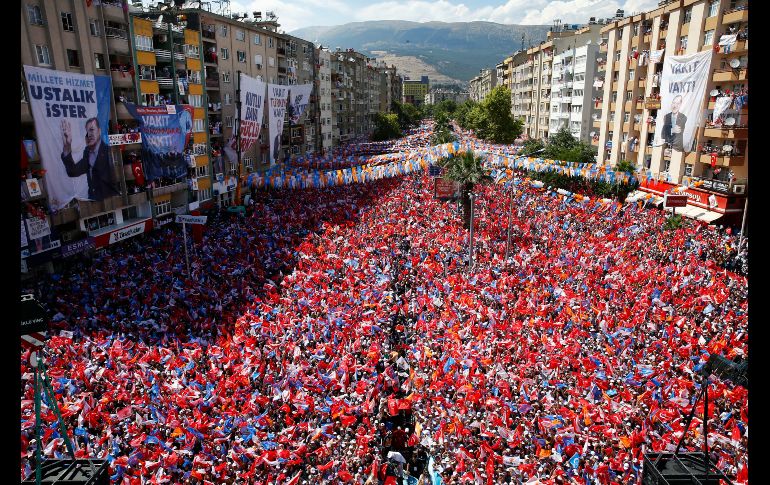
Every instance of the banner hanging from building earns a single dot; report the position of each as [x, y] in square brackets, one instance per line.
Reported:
[682, 90]
[252, 104]
[165, 130]
[71, 113]
[276, 96]
[299, 97]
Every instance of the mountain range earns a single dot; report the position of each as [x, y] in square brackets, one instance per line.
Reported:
[451, 51]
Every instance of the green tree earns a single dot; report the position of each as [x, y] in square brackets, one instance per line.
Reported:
[462, 114]
[408, 115]
[500, 125]
[532, 145]
[565, 147]
[467, 169]
[625, 166]
[386, 127]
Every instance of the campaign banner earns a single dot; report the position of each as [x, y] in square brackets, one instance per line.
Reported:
[24, 241]
[299, 97]
[76, 247]
[165, 130]
[37, 227]
[682, 89]
[71, 113]
[252, 107]
[276, 95]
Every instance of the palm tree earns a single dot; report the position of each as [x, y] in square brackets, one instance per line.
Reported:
[466, 168]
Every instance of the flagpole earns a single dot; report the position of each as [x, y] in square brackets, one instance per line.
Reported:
[238, 141]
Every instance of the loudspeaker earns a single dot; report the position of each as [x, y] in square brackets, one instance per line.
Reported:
[683, 468]
[72, 472]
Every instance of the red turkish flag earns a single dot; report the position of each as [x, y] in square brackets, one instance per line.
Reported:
[392, 406]
[713, 160]
[136, 168]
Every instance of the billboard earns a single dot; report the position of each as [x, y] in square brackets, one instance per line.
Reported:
[445, 189]
[276, 95]
[165, 130]
[682, 90]
[71, 113]
[299, 97]
[671, 200]
[252, 105]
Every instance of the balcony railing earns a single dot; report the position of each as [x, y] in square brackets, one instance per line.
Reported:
[163, 54]
[169, 189]
[165, 82]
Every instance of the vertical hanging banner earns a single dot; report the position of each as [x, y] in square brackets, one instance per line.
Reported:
[71, 113]
[166, 130]
[299, 97]
[276, 97]
[252, 104]
[682, 90]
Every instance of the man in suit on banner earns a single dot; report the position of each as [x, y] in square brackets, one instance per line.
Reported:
[95, 162]
[673, 125]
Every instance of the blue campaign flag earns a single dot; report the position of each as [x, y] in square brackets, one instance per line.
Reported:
[574, 461]
[448, 365]
[166, 130]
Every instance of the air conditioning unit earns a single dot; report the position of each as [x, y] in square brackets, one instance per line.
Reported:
[739, 189]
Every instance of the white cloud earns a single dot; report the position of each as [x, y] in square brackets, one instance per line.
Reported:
[417, 11]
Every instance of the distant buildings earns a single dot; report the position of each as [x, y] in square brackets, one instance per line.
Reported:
[414, 90]
[480, 86]
[438, 95]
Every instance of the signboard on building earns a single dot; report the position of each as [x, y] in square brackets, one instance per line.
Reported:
[191, 219]
[123, 233]
[74, 247]
[33, 187]
[125, 139]
[444, 189]
[37, 227]
[71, 113]
[672, 200]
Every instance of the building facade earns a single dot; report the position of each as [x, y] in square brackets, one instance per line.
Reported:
[480, 86]
[324, 83]
[631, 94]
[438, 95]
[414, 90]
[573, 93]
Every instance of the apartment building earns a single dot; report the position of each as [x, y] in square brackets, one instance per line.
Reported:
[716, 165]
[414, 90]
[352, 100]
[480, 86]
[76, 38]
[438, 95]
[573, 94]
[324, 86]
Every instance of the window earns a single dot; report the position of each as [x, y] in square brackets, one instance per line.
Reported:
[636, 29]
[688, 170]
[162, 208]
[43, 58]
[614, 96]
[73, 58]
[617, 56]
[626, 118]
[248, 164]
[202, 171]
[228, 99]
[667, 165]
[683, 42]
[270, 42]
[191, 51]
[66, 22]
[629, 95]
[225, 53]
[257, 40]
[708, 37]
[144, 43]
[129, 213]
[149, 99]
[146, 73]
[714, 8]
[687, 15]
[193, 76]
[93, 27]
[197, 125]
[271, 61]
[223, 30]
[103, 220]
[241, 56]
[99, 61]
[631, 74]
[258, 61]
[240, 35]
[34, 14]
[225, 76]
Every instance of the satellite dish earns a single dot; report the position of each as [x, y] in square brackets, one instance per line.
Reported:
[729, 121]
[714, 92]
[588, 41]
[592, 133]
[735, 63]
[727, 148]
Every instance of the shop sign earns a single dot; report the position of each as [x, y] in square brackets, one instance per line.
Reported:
[122, 234]
[125, 139]
[75, 247]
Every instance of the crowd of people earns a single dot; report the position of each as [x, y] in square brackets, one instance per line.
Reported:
[332, 328]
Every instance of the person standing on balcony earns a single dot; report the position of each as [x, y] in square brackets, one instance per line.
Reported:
[95, 162]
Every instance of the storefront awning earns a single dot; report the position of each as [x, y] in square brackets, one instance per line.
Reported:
[697, 213]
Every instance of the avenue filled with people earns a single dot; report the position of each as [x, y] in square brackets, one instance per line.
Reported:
[345, 335]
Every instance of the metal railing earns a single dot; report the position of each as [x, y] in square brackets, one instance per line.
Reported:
[115, 33]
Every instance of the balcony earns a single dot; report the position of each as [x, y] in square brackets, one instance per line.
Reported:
[744, 108]
[163, 55]
[165, 82]
[207, 33]
[179, 56]
[90, 208]
[281, 51]
[642, 82]
[138, 198]
[726, 75]
[647, 38]
[739, 14]
[118, 43]
[121, 79]
[725, 132]
[169, 189]
[212, 83]
[723, 160]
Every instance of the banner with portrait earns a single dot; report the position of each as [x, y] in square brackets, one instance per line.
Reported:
[166, 131]
[299, 97]
[71, 113]
[252, 110]
[276, 97]
[682, 93]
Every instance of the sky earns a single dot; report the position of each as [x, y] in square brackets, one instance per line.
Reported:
[306, 13]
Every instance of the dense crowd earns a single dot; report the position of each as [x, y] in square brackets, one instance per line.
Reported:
[331, 326]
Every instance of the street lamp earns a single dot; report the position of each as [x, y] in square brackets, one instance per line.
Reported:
[510, 210]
